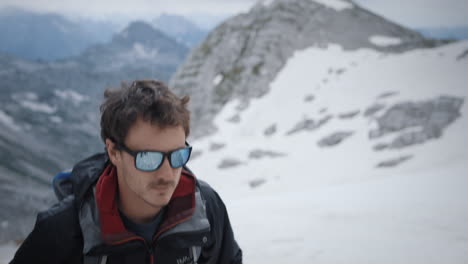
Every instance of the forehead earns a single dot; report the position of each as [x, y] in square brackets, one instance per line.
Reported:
[144, 135]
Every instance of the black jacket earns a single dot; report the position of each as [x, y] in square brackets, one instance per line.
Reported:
[75, 231]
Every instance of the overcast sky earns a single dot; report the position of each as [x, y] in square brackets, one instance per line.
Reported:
[412, 13]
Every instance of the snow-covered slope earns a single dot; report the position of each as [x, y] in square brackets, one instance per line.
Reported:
[385, 188]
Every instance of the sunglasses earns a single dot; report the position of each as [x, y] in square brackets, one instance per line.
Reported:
[149, 160]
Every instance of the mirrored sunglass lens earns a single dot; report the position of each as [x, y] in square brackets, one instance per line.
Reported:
[180, 157]
[148, 160]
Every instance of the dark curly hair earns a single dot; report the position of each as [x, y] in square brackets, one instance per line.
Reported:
[148, 99]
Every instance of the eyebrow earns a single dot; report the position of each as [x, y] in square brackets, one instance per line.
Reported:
[134, 151]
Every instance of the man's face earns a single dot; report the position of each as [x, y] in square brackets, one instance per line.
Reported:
[153, 188]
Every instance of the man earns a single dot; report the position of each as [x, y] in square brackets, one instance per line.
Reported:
[138, 202]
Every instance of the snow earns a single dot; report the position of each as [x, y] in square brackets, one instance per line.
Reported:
[7, 251]
[384, 41]
[75, 97]
[140, 51]
[8, 121]
[332, 205]
[38, 107]
[218, 79]
[338, 5]
[56, 119]
[267, 2]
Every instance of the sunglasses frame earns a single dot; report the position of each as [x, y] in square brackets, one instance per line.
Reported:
[167, 155]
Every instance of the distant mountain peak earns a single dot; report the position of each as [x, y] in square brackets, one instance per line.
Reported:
[180, 28]
[139, 31]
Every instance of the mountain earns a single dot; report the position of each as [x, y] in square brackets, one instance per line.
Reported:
[445, 32]
[343, 128]
[140, 49]
[34, 36]
[239, 58]
[179, 28]
[49, 114]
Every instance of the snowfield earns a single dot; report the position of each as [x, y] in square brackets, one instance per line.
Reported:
[332, 204]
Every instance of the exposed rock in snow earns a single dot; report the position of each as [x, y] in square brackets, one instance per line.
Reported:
[394, 162]
[334, 139]
[229, 163]
[256, 183]
[309, 125]
[270, 130]
[387, 94]
[309, 98]
[430, 117]
[372, 110]
[234, 119]
[349, 114]
[259, 154]
[216, 146]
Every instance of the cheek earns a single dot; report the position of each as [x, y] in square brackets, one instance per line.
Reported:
[132, 176]
[177, 174]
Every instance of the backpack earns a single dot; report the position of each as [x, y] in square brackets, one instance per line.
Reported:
[62, 184]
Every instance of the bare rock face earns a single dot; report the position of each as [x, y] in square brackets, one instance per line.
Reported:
[241, 57]
[427, 119]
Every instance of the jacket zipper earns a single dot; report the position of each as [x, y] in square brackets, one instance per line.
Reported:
[151, 252]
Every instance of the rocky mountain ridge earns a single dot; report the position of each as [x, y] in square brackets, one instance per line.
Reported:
[239, 58]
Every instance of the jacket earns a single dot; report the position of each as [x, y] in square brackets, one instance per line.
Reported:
[85, 227]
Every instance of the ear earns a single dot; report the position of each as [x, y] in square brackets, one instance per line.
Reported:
[112, 152]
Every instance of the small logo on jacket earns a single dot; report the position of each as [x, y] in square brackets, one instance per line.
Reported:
[185, 260]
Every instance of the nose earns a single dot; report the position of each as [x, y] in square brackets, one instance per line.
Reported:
[165, 171]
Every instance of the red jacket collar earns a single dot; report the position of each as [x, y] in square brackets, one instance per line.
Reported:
[180, 207]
